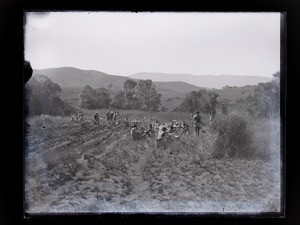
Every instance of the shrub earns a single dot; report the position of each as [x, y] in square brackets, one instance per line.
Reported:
[233, 137]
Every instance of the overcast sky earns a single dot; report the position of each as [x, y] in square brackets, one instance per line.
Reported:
[128, 43]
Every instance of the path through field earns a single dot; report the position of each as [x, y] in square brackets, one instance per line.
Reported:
[80, 167]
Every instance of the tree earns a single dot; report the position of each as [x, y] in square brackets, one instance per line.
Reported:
[108, 88]
[42, 97]
[148, 95]
[129, 88]
[118, 101]
[265, 102]
[211, 103]
[104, 97]
[131, 100]
[202, 101]
[141, 95]
[94, 99]
[267, 97]
[194, 101]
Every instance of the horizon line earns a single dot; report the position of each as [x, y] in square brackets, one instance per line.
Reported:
[166, 73]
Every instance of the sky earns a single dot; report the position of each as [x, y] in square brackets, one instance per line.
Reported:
[125, 43]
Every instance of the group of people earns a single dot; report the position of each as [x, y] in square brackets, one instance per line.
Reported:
[78, 117]
[172, 129]
[138, 133]
[111, 115]
[168, 128]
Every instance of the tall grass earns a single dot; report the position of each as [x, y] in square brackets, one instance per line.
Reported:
[234, 137]
[240, 136]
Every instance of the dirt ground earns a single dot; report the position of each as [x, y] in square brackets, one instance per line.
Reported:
[81, 167]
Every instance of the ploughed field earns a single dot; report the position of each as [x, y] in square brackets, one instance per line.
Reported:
[82, 167]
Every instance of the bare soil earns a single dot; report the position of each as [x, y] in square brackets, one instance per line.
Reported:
[80, 167]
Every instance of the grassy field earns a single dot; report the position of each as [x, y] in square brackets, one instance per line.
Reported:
[81, 167]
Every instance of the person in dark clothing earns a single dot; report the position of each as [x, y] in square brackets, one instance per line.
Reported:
[97, 119]
[197, 123]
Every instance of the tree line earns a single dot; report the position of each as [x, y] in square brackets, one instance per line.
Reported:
[202, 101]
[42, 97]
[265, 102]
[140, 95]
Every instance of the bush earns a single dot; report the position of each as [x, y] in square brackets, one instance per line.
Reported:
[233, 137]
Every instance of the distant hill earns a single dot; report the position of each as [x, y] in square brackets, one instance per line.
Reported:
[174, 88]
[68, 77]
[72, 80]
[235, 93]
[73, 77]
[206, 81]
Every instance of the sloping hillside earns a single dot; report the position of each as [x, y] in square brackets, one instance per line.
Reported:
[178, 87]
[68, 77]
[73, 77]
[207, 81]
[234, 93]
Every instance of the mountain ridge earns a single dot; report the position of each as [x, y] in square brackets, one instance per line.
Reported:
[74, 77]
[207, 81]
[196, 75]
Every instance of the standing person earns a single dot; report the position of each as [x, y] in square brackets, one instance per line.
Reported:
[197, 124]
[112, 116]
[107, 115]
[97, 119]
